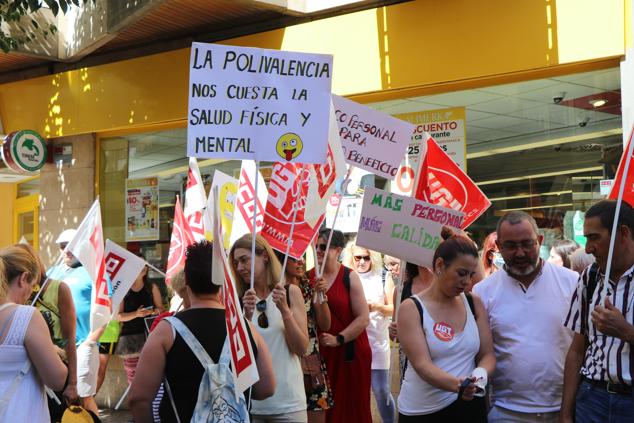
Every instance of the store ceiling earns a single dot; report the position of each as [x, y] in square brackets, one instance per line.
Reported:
[146, 27]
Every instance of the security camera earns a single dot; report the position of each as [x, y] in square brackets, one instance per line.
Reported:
[583, 122]
[558, 98]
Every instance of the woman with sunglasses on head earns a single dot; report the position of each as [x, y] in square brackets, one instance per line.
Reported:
[278, 314]
[28, 358]
[446, 337]
[367, 264]
[345, 346]
[316, 384]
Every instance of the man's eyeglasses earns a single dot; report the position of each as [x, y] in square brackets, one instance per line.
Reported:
[263, 321]
[527, 244]
[359, 258]
[321, 247]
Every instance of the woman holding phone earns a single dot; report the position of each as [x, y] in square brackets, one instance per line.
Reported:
[142, 300]
[445, 335]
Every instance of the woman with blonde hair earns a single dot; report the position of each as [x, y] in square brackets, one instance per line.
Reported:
[279, 315]
[28, 358]
[367, 264]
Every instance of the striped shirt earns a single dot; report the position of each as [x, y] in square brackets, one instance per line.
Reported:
[607, 358]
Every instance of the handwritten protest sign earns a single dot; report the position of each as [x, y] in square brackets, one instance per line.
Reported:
[371, 140]
[250, 103]
[402, 226]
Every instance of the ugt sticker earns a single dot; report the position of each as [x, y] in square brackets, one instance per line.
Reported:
[443, 331]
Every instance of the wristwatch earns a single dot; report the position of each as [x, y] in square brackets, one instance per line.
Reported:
[340, 339]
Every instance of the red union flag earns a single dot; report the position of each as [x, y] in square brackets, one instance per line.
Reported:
[195, 202]
[321, 183]
[285, 193]
[87, 246]
[443, 183]
[628, 191]
[243, 364]
[245, 202]
[181, 238]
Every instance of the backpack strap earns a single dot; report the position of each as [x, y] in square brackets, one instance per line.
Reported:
[191, 341]
[225, 355]
[346, 278]
[471, 304]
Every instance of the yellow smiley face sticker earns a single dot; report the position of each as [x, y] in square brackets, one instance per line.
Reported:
[289, 146]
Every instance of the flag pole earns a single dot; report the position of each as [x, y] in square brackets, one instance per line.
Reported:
[255, 216]
[156, 269]
[289, 241]
[57, 263]
[344, 185]
[615, 224]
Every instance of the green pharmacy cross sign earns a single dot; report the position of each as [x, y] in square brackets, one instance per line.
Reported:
[24, 151]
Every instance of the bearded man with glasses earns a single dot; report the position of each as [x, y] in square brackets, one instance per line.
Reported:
[526, 302]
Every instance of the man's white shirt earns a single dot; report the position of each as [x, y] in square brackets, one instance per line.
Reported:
[529, 339]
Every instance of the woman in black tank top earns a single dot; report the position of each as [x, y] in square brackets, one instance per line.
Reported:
[142, 300]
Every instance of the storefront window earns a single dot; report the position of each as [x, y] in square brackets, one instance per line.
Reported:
[540, 146]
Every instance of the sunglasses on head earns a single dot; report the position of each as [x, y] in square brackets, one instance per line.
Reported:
[263, 321]
[359, 258]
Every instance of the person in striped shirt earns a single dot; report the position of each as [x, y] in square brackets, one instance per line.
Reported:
[600, 362]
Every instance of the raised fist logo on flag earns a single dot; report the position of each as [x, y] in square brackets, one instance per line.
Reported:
[443, 183]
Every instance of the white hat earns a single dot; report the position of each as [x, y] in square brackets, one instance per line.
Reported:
[66, 236]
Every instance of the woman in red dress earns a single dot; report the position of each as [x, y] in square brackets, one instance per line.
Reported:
[345, 346]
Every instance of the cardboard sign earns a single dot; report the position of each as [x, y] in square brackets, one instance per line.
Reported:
[142, 209]
[403, 184]
[446, 126]
[349, 213]
[289, 183]
[402, 226]
[371, 140]
[251, 103]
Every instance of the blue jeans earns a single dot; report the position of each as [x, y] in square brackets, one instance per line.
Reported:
[596, 405]
[383, 395]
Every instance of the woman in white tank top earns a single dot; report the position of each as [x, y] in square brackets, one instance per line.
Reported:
[282, 323]
[28, 360]
[444, 341]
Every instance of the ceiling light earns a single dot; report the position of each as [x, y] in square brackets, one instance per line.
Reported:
[515, 197]
[545, 143]
[598, 102]
[540, 207]
[540, 175]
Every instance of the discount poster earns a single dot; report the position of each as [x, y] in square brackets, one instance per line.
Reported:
[142, 209]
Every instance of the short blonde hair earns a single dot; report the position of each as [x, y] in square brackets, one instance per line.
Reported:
[273, 268]
[177, 281]
[14, 261]
[375, 257]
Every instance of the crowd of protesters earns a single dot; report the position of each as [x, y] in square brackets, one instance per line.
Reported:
[494, 334]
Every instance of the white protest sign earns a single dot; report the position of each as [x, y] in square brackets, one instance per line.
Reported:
[349, 213]
[371, 140]
[403, 183]
[123, 267]
[403, 227]
[258, 104]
